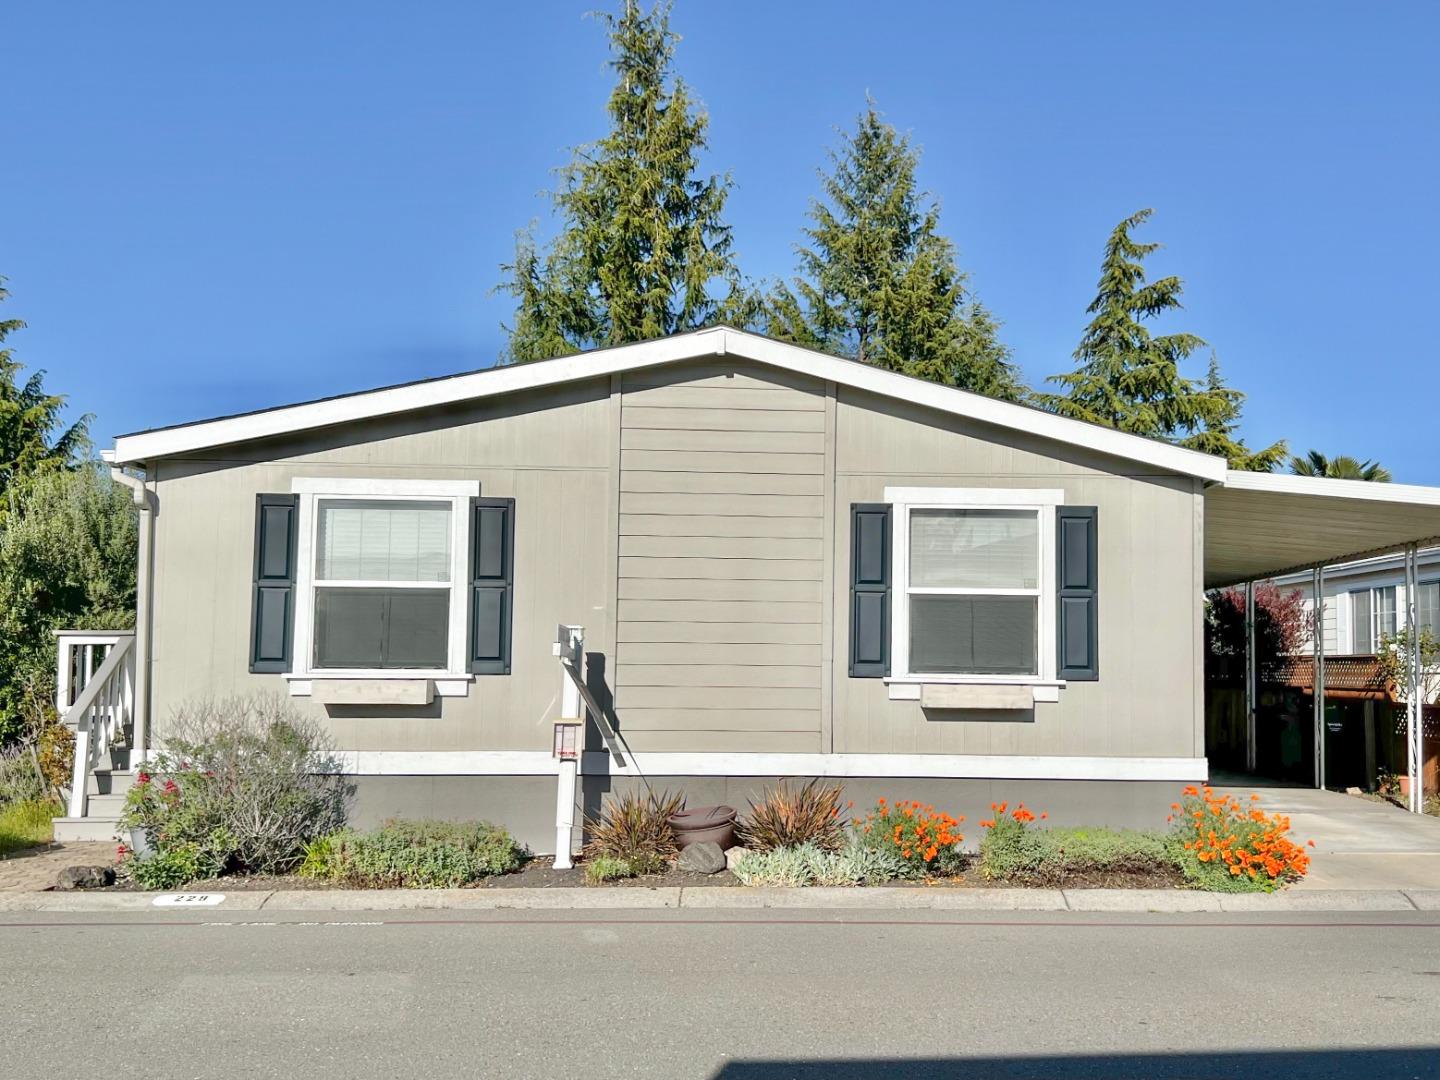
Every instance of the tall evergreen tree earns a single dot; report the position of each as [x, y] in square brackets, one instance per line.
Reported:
[1340, 467]
[878, 282]
[1128, 379]
[643, 249]
[32, 435]
[1217, 434]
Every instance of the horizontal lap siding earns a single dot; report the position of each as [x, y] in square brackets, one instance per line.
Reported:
[721, 560]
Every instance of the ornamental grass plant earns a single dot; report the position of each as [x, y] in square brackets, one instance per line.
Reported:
[787, 816]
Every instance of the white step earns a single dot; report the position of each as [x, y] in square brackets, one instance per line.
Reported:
[73, 829]
[104, 806]
[108, 782]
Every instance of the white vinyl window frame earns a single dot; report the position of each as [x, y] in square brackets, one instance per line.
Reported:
[904, 500]
[451, 680]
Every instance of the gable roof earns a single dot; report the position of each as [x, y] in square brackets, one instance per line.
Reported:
[716, 341]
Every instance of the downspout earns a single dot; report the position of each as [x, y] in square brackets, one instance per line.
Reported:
[145, 503]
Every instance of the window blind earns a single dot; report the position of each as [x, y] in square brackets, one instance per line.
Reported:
[383, 541]
[974, 549]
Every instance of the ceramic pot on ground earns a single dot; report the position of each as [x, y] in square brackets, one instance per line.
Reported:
[705, 825]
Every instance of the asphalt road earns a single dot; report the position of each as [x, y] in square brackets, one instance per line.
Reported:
[738, 996]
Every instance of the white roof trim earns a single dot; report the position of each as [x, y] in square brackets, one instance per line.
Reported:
[723, 341]
[1356, 490]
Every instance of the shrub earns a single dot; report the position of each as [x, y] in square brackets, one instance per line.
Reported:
[26, 823]
[924, 840]
[172, 866]
[244, 782]
[605, 868]
[809, 864]
[1014, 851]
[416, 855]
[1221, 846]
[788, 817]
[636, 830]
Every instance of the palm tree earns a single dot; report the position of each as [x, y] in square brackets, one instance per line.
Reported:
[1342, 467]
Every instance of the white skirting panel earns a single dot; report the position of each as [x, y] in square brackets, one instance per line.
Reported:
[939, 766]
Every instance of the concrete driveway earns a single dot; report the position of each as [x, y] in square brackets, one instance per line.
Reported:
[1359, 844]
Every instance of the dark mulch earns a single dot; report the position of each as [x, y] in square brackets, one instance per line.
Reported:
[537, 873]
[540, 873]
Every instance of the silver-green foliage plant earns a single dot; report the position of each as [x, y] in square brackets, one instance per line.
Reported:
[240, 786]
[807, 864]
[605, 868]
[422, 854]
[20, 778]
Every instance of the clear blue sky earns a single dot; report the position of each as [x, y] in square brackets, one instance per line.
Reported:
[209, 208]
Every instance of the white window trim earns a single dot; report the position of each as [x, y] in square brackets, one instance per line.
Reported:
[904, 499]
[453, 679]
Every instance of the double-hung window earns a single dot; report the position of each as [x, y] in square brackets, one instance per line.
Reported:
[1429, 606]
[974, 585]
[382, 579]
[1372, 618]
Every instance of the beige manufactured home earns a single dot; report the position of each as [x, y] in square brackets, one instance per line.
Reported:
[784, 564]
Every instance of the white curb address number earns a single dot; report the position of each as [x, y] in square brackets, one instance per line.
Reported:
[189, 899]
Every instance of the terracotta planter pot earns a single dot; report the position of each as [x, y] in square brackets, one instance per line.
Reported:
[705, 825]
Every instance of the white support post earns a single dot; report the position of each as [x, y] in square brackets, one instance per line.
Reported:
[570, 647]
[1414, 705]
[1252, 755]
[1318, 611]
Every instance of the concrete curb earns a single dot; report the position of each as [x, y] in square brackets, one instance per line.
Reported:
[1160, 901]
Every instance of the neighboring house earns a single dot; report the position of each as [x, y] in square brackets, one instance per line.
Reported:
[1365, 601]
[785, 564]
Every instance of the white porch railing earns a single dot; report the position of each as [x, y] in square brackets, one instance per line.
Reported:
[101, 702]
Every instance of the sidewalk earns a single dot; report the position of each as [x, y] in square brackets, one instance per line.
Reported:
[1162, 901]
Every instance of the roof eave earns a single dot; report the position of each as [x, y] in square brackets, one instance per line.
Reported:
[716, 341]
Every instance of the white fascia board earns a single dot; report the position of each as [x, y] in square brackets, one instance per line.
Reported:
[717, 341]
[978, 407]
[835, 766]
[1321, 487]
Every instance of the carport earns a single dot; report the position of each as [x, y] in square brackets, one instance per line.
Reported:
[1260, 525]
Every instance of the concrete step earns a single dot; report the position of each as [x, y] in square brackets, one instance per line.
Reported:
[110, 782]
[104, 806]
[72, 829]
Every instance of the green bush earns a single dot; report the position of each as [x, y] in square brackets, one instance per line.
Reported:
[242, 785]
[1012, 851]
[604, 868]
[26, 824]
[173, 866]
[416, 855]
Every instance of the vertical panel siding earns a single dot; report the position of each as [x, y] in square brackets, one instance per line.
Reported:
[722, 571]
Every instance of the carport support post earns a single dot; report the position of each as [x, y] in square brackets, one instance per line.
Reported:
[1414, 707]
[1318, 611]
[1252, 757]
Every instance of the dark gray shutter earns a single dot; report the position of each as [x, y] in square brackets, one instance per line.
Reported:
[1078, 589]
[272, 610]
[492, 584]
[869, 590]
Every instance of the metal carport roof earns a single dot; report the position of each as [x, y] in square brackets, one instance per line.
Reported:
[1258, 525]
